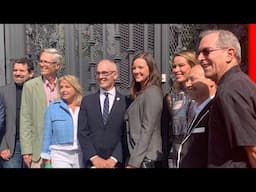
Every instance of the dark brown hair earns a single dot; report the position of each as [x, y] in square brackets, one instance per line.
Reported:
[154, 75]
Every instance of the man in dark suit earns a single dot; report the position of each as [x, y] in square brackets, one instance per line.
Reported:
[194, 147]
[10, 151]
[101, 140]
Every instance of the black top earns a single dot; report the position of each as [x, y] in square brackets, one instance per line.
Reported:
[18, 102]
[176, 116]
[232, 121]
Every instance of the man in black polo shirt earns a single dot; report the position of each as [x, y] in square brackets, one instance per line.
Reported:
[232, 121]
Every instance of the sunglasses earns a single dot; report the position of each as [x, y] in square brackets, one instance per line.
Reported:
[206, 51]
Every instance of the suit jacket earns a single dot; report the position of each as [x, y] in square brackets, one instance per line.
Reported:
[144, 126]
[8, 94]
[94, 137]
[193, 151]
[33, 107]
[2, 118]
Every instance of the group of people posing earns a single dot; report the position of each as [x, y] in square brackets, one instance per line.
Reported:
[207, 119]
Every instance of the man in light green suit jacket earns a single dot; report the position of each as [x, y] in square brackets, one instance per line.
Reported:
[36, 95]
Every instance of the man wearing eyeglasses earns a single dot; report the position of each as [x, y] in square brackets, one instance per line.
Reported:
[101, 121]
[36, 96]
[232, 118]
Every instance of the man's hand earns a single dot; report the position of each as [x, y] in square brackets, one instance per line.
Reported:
[27, 159]
[98, 162]
[110, 163]
[5, 154]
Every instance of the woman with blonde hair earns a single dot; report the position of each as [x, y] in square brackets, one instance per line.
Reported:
[60, 144]
[177, 108]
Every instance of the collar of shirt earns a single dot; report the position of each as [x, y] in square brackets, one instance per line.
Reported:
[51, 86]
[111, 96]
[111, 92]
[198, 108]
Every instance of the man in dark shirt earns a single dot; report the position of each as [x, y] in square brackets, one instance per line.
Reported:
[193, 150]
[10, 153]
[232, 118]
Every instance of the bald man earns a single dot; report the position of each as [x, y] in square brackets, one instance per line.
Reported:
[193, 149]
[100, 136]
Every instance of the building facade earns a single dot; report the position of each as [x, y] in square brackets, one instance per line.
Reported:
[83, 45]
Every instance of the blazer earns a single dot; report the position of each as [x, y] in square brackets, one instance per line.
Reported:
[2, 118]
[58, 125]
[33, 107]
[193, 150]
[94, 137]
[144, 126]
[8, 94]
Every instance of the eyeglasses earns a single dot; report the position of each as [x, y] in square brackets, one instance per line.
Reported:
[104, 73]
[206, 51]
[47, 62]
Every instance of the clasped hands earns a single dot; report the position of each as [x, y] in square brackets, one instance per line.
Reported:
[99, 162]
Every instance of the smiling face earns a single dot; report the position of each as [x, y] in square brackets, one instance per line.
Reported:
[180, 68]
[198, 86]
[67, 91]
[140, 71]
[20, 73]
[106, 74]
[215, 61]
[48, 64]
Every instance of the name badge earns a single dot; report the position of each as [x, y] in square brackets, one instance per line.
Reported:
[198, 130]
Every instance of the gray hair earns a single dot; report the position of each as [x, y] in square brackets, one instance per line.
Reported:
[58, 56]
[226, 39]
